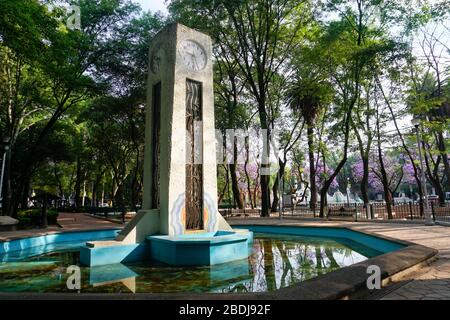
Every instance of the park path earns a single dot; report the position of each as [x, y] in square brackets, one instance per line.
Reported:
[68, 222]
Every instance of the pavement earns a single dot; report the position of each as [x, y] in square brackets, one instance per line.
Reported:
[67, 222]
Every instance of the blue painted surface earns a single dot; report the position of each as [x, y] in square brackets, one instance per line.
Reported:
[43, 244]
[99, 256]
[209, 248]
[379, 244]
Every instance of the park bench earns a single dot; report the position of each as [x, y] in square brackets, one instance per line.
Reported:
[8, 223]
[342, 213]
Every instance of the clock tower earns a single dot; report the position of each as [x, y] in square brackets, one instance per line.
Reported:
[180, 184]
[180, 152]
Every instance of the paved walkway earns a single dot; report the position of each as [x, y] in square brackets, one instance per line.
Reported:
[430, 283]
[68, 222]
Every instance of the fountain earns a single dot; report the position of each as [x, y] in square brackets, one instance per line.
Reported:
[179, 223]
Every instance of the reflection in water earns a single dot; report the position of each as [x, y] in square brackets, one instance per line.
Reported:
[279, 262]
[276, 261]
[113, 273]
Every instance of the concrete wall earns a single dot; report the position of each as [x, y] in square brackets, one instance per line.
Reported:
[144, 224]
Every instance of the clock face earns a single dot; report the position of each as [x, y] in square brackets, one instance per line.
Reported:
[193, 55]
[156, 60]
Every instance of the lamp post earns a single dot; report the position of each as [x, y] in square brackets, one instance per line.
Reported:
[5, 144]
[423, 181]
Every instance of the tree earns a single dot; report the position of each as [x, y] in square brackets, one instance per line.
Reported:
[309, 94]
[264, 41]
[68, 68]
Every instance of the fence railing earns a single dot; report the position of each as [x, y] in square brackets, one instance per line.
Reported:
[375, 211]
[441, 213]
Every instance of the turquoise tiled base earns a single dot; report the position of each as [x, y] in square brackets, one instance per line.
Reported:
[209, 248]
[201, 249]
[99, 256]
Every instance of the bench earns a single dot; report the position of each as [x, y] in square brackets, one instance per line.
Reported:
[8, 223]
[342, 212]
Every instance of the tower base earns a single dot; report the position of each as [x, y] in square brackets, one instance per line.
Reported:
[207, 248]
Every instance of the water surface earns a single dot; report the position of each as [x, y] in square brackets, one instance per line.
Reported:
[276, 261]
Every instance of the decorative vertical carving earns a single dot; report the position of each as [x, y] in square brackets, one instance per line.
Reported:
[194, 157]
[156, 129]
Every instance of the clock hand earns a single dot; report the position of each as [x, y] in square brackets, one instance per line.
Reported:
[196, 64]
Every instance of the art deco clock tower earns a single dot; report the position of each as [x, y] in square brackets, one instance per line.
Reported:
[180, 184]
[180, 152]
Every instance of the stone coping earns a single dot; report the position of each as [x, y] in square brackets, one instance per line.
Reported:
[193, 240]
[345, 283]
[105, 243]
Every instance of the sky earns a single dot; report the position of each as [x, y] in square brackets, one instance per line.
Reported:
[153, 5]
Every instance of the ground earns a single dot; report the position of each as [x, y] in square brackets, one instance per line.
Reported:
[431, 282]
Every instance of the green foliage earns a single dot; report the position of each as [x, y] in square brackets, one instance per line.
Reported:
[33, 217]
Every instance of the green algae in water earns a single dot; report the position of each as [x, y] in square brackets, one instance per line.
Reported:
[276, 261]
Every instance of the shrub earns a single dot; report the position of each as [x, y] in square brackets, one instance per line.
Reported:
[33, 217]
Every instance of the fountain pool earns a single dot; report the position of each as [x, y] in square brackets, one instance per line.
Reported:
[279, 257]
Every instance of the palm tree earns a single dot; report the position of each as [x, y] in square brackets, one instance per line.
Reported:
[308, 95]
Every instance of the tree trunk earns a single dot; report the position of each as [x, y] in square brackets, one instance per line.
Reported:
[25, 193]
[433, 176]
[265, 163]
[442, 148]
[44, 222]
[7, 190]
[384, 178]
[274, 207]
[225, 188]
[247, 177]
[134, 185]
[388, 199]
[312, 168]
[275, 188]
[400, 135]
[78, 184]
[269, 265]
[365, 181]
[235, 186]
